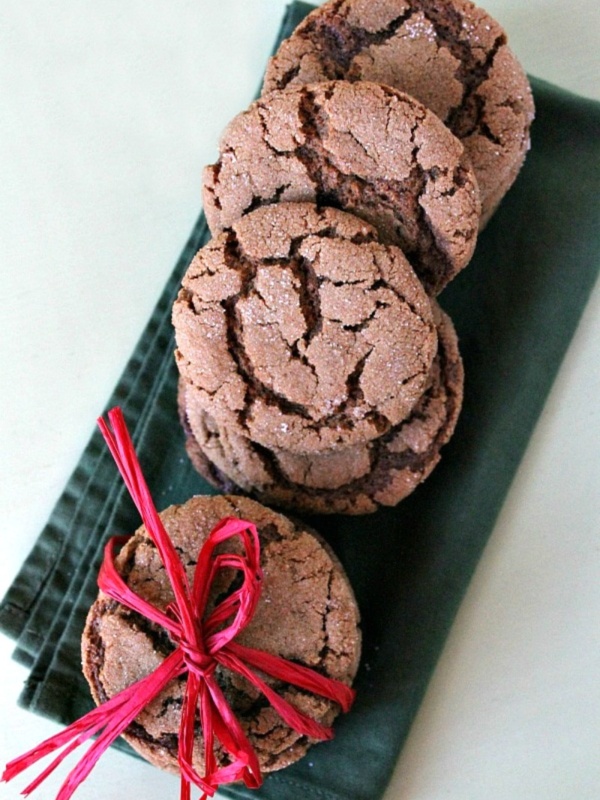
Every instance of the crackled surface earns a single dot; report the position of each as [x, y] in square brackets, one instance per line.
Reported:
[362, 147]
[296, 327]
[354, 480]
[307, 613]
[449, 54]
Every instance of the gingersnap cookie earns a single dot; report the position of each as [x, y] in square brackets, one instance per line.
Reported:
[302, 331]
[355, 480]
[362, 147]
[449, 54]
[307, 613]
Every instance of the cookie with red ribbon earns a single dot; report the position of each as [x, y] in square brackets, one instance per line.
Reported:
[306, 614]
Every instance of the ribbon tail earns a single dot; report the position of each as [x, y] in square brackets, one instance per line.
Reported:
[125, 706]
[204, 693]
[206, 709]
[229, 732]
[193, 697]
[9, 774]
[296, 674]
[296, 719]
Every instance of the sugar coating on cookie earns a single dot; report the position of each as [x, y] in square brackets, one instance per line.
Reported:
[300, 329]
[449, 54]
[353, 480]
[362, 147]
[307, 613]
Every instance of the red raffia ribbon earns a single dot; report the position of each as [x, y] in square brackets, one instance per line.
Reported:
[203, 642]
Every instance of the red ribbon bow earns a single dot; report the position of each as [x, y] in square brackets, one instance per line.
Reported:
[203, 642]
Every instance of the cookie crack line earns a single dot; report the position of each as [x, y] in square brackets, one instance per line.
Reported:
[375, 194]
[311, 312]
[400, 295]
[169, 703]
[468, 73]
[338, 50]
[456, 117]
[261, 111]
[237, 259]
[326, 649]
[382, 462]
[342, 54]
[309, 299]
[307, 287]
[426, 233]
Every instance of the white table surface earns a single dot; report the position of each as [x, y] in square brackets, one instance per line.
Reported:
[108, 112]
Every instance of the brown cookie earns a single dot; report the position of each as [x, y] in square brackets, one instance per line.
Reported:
[307, 614]
[355, 480]
[362, 147]
[296, 327]
[449, 54]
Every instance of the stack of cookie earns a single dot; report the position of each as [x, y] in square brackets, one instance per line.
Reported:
[317, 371]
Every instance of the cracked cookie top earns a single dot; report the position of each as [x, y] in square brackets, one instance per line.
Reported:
[362, 147]
[351, 480]
[449, 54]
[307, 613]
[299, 328]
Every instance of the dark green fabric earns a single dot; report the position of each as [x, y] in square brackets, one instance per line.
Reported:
[515, 308]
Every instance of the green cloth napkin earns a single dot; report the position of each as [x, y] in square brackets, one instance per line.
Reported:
[515, 308]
